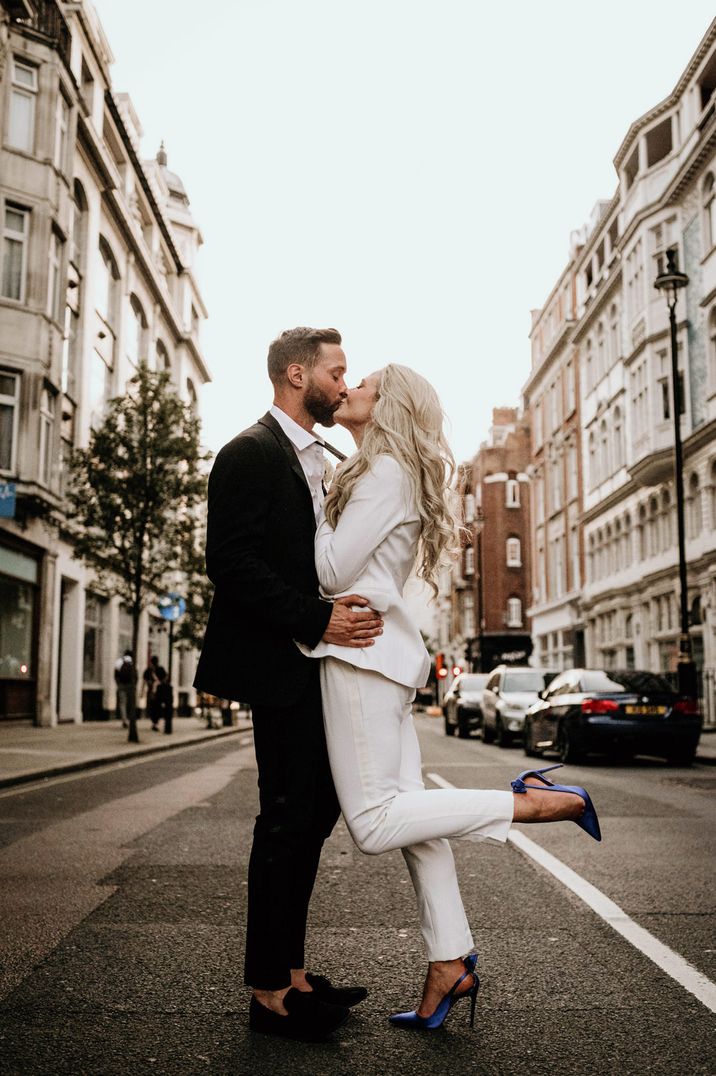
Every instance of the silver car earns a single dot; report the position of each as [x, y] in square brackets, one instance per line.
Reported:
[462, 706]
[509, 692]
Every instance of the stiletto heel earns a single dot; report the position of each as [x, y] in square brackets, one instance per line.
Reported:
[436, 1019]
[588, 822]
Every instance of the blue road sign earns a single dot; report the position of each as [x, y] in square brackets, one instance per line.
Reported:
[171, 606]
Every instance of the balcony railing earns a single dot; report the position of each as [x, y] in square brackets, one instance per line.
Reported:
[49, 22]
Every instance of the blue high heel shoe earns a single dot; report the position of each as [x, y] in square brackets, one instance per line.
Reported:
[412, 1021]
[588, 822]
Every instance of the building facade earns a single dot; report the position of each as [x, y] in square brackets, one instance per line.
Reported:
[619, 345]
[97, 274]
[491, 586]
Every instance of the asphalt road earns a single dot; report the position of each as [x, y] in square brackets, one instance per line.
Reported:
[122, 894]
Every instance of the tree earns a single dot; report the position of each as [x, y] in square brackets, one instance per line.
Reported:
[133, 496]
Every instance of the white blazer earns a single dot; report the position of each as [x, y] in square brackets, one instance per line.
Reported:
[372, 552]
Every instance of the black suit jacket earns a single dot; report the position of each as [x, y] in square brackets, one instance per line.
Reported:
[260, 558]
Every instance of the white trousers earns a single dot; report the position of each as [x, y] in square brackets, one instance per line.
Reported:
[375, 761]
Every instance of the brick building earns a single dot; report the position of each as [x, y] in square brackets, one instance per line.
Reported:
[492, 586]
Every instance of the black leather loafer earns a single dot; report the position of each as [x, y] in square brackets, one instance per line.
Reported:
[309, 1019]
[336, 995]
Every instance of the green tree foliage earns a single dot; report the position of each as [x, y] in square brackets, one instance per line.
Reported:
[134, 496]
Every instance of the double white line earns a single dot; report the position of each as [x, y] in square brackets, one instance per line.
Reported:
[665, 958]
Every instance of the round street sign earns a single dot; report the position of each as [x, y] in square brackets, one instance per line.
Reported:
[171, 606]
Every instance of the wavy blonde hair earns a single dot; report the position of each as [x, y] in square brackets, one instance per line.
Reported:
[407, 424]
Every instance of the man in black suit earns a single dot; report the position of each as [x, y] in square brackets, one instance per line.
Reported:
[265, 491]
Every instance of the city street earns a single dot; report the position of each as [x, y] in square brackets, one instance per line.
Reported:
[123, 901]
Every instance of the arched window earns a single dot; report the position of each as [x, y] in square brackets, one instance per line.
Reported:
[79, 227]
[712, 346]
[614, 341]
[589, 350]
[514, 553]
[191, 395]
[626, 542]
[617, 556]
[107, 292]
[643, 544]
[593, 461]
[708, 194]
[608, 550]
[713, 494]
[694, 506]
[47, 426]
[164, 363]
[618, 433]
[603, 449]
[653, 527]
[512, 493]
[600, 556]
[601, 362]
[665, 521]
[136, 333]
[514, 612]
[591, 560]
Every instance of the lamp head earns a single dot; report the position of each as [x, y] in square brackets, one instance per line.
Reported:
[671, 279]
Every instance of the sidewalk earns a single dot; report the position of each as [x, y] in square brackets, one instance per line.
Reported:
[29, 754]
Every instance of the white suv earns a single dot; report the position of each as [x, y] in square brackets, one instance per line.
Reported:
[508, 693]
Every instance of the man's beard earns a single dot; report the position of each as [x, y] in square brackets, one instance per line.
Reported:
[319, 406]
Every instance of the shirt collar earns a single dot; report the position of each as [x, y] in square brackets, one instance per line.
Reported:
[296, 434]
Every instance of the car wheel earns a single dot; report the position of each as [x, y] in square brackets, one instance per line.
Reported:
[566, 749]
[502, 736]
[529, 749]
[449, 729]
[488, 734]
[682, 758]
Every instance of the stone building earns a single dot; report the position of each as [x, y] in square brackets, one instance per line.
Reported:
[618, 341]
[491, 587]
[97, 273]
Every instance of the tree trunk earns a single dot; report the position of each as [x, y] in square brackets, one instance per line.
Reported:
[133, 736]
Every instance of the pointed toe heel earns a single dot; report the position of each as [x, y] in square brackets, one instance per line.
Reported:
[589, 821]
[411, 1021]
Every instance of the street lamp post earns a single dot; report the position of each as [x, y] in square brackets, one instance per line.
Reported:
[670, 281]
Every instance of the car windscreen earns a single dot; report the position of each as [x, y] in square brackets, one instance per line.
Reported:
[524, 680]
[631, 680]
[473, 683]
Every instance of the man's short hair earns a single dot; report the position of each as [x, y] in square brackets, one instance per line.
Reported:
[299, 345]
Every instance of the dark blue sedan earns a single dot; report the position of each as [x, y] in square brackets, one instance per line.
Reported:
[618, 712]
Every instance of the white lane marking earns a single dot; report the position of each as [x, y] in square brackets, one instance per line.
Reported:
[665, 958]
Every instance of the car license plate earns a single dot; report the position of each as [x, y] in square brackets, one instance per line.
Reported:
[646, 711]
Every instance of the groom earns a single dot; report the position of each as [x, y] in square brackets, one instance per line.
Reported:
[265, 491]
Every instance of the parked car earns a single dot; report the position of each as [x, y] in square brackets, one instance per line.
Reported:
[509, 692]
[462, 706]
[623, 712]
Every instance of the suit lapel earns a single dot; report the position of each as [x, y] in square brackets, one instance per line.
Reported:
[271, 424]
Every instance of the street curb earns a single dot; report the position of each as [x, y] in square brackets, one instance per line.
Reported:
[108, 760]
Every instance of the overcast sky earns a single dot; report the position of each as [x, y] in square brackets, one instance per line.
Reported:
[408, 171]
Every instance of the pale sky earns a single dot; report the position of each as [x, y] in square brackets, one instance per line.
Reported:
[408, 171]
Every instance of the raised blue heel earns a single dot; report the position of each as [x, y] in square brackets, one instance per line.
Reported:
[588, 822]
[413, 1022]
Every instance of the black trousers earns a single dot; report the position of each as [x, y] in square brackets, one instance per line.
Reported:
[298, 810]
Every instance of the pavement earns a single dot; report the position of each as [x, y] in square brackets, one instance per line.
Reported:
[29, 753]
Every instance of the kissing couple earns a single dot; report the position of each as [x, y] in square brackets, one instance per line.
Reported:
[312, 581]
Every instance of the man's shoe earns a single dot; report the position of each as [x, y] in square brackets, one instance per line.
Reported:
[309, 1019]
[336, 995]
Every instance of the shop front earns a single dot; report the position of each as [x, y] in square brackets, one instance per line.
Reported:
[19, 609]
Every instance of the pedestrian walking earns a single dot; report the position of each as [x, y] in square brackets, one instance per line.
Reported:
[162, 701]
[150, 680]
[265, 491]
[124, 677]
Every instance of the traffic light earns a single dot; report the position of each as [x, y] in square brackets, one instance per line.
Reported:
[440, 670]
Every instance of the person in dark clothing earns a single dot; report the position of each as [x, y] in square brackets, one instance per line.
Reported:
[265, 491]
[162, 701]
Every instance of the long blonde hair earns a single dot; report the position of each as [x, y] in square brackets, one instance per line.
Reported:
[407, 424]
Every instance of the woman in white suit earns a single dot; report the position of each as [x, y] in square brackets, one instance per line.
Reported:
[387, 513]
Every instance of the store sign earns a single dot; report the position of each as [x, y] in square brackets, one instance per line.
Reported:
[7, 500]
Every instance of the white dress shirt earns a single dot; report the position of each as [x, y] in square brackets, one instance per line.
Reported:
[372, 552]
[309, 449]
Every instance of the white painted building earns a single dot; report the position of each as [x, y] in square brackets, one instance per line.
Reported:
[98, 272]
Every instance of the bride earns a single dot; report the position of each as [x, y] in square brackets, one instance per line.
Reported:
[388, 510]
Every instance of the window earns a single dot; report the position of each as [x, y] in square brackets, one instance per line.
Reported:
[54, 278]
[600, 365]
[107, 289]
[79, 227]
[618, 436]
[18, 587]
[574, 557]
[713, 495]
[62, 126]
[593, 460]
[514, 613]
[658, 142]
[23, 97]
[614, 342]
[163, 361]
[468, 615]
[191, 394]
[708, 201]
[712, 346]
[47, 426]
[539, 498]
[571, 397]
[100, 388]
[9, 409]
[589, 353]
[572, 472]
[512, 493]
[537, 421]
[469, 560]
[556, 483]
[555, 409]
[92, 665]
[603, 449]
[469, 508]
[694, 506]
[136, 333]
[514, 553]
[14, 253]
